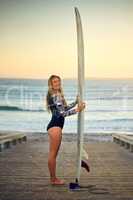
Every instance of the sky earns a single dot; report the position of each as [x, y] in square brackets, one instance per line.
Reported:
[38, 38]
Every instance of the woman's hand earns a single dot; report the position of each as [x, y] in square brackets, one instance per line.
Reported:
[80, 106]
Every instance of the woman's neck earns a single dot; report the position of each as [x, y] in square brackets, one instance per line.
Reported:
[56, 92]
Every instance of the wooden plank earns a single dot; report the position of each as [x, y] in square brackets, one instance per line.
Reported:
[11, 139]
[13, 135]
[125, 140]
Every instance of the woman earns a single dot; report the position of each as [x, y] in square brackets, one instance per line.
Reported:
[56, 103]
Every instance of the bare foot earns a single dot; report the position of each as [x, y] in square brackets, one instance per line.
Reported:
[57, 181]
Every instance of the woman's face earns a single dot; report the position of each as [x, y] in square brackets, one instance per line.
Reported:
[56, 84]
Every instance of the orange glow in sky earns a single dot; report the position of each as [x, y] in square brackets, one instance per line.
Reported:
[38, 38]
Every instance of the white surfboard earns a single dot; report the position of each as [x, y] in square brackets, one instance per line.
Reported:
[82, 155]
[81, 78]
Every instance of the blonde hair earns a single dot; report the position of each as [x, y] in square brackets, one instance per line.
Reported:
[50, 92]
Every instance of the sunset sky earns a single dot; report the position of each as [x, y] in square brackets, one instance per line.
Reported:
[38, 38]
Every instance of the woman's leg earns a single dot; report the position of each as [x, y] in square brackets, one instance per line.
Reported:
[55, 136]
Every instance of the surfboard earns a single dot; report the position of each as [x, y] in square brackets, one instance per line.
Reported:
[81, 153]
[81, 90]
[81, 78]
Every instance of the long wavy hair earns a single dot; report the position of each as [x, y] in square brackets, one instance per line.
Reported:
[50, 92]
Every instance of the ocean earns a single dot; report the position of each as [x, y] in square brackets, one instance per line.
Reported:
[109, 105]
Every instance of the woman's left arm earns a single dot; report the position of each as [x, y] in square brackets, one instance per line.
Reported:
[60, 107]
[71, 105]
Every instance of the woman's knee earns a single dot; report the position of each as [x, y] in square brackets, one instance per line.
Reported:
[52, 154]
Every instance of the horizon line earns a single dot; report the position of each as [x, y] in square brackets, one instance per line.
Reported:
[74, 78]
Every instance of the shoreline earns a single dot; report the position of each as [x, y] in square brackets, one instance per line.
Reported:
[68, 137]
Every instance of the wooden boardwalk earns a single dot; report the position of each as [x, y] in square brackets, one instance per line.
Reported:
[24, 172]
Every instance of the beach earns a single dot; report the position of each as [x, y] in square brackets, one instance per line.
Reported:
[24, 172]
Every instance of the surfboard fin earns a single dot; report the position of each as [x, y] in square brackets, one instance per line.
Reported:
[85, 165]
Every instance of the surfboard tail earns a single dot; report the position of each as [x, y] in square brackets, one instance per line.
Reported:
[85, 154]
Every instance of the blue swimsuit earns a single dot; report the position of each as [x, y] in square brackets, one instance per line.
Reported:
[59, 111]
